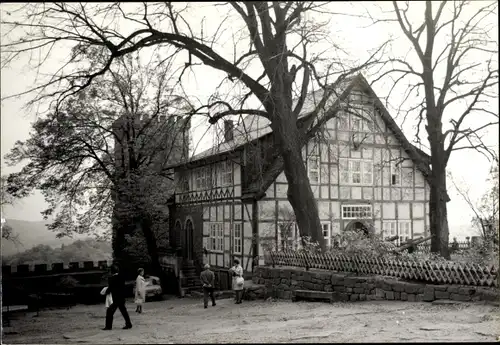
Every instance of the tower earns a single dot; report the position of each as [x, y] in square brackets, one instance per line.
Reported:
[144, 147]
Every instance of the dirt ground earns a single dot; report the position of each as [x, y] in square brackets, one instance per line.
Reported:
[185, 321]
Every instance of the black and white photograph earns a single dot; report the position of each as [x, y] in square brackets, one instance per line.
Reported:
[249, 172]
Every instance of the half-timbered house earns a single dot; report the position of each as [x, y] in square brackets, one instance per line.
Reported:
[364, 173]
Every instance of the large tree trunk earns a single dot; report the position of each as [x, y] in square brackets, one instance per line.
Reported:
[300, 194]
[122, 225]
[146, 226]
[438, 214]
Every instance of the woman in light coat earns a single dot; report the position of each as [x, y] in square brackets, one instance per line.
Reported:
[238, 282]
[140, 290]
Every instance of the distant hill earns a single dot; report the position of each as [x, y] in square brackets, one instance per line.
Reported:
[78, 251]
[31, 234]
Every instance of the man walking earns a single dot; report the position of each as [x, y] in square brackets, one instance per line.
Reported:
[207, 278]
[116, 287]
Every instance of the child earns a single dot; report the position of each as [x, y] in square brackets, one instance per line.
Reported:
[140, 290]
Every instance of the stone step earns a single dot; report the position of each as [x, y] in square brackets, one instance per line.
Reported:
[312, 295]
[192, 281]
[190, 291]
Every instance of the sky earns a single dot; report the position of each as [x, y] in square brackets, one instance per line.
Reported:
[468, 167]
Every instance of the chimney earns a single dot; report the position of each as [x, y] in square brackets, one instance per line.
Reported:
[228, 130]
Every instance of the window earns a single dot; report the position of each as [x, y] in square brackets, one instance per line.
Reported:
[355, 171]
[237, 238]
[313, 163]
[355, 123]
[184, 184]
[202, 178]
[327, 233]
[361, 118]
[367, 113]
[344, 171]
[356, 211]
[367, 172]
[402, 229]
[215, 175]
[395, 174]
[287, 235]
[389, 229]
[343, 121]
[314, 170]
[226, 173]
[216, 239]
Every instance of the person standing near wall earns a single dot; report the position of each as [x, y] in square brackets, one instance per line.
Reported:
[140, 290]
[238, 281]
[207, 278]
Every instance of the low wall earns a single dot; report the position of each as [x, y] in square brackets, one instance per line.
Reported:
[281, 281]
[54, 268]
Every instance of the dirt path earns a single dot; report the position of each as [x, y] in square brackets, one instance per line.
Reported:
[185, 321]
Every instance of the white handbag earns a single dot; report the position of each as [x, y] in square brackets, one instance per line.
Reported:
[240, 281]
[109, 300]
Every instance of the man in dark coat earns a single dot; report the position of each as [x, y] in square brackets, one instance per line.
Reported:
[207, 278]
[116, 287]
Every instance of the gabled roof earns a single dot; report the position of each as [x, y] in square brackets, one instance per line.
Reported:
[255, 127]
[259, 186]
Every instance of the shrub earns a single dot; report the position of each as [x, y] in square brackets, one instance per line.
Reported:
[357, 243]
[481, 254]
[307, 246]
[67, 282]
[422, 256]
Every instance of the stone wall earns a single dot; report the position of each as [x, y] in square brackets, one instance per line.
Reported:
[281, 282]
[54, 268]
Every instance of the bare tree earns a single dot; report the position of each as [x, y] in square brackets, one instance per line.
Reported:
[277, 31]
[486, 209]
[446, 83]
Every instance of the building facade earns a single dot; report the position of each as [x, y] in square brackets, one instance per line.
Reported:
[231, 200]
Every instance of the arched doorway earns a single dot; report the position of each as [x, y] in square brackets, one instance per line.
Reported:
[176, 238]
[189, 240]
[360, 226]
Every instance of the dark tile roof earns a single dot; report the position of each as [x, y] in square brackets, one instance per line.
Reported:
[254, 128]
[258, 187]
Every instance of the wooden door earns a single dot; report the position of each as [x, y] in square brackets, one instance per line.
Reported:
[189, 240]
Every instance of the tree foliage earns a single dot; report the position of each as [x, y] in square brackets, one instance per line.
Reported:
[8, 233]
[71, 153]
[99, 158]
